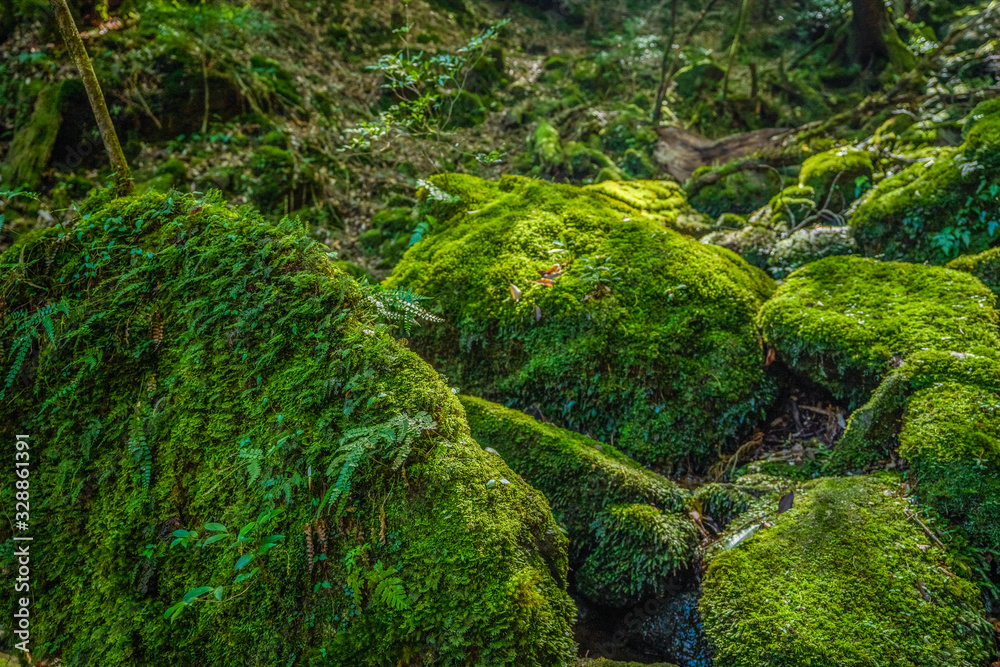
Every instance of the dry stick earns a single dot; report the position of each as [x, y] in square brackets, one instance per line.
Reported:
[123, 175]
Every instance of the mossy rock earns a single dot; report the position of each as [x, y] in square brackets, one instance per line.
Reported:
[644, 337]
[638, 547]
[985, 266]
[951, 439]
[808, 245]
[835, 576]
[938, 208]
[872, 430]
[604, 662]
[832, 175]
[192, 363]
[845, 321]
[754, 244]
[625, 555]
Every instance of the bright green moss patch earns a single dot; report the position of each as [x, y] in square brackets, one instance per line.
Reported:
[985, 266]
[616, 326]
[627, 554]
[843, 578]
[938, 208]
[843, 321]
[832, 175]
[951, 438]
[178, 364]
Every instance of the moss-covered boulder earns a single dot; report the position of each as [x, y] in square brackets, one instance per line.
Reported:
[842, 578]
[832, 176]
[985, 266]
[593, 311]
[845, 322]
[628, 526]
[221, 429]
[942, 206]
[950, 437]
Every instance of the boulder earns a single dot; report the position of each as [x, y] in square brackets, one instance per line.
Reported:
[844, 578]
[592, 311]
[232, 459]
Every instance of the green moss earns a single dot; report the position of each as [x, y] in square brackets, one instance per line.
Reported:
[638, 546]
[645, 337]
[985, 266]
[626, 555]
[32, 145]
[951, 439]
[579, 476]
[208, 366]
[938, 208]
[831, 174]
[843, 321]
[546, 146]
[843, 578]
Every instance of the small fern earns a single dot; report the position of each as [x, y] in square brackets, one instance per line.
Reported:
[400, 306]
[389, 439]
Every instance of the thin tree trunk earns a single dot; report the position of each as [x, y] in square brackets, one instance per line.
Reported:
[661, 91]
[667, 76]
[123, 175]
[735, 46]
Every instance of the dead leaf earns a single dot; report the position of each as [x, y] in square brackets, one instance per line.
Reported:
[515, 293]
[786, 501]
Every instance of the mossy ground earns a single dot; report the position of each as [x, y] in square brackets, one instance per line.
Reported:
[642, 337]
[843, 578]
[177, 363]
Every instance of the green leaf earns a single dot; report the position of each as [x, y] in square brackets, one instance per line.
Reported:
[215, 538]
[181, 533]
[247, 528]
[242, 562]
[216, 527]
[218, 593]
[196, 593]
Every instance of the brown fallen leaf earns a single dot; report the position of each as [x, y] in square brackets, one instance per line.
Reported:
[786, 501]
[538, 313]
[515, 293]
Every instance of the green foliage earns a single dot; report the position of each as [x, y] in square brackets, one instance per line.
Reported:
[662, 361]
[721, 503]
[638, 547]
[426, 91]
[843, 578]
[843, 322]
[941, 206]
[211, 369]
